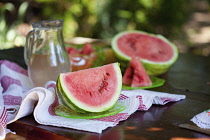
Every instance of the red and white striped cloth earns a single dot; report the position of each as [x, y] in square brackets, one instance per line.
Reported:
[202, 119]
[19, 98]
[3, 118]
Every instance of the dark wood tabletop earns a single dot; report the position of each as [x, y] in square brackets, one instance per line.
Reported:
[190, 75]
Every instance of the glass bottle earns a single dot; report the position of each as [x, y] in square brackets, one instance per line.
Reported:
[45, 53]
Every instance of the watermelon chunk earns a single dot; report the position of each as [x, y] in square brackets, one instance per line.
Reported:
[90, 90]
[87, 49]
[82, 58]
[72, 50]
[135, 75]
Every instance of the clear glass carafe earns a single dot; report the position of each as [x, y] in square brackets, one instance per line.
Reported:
[45, 53]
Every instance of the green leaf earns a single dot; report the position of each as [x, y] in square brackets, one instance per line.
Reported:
[2, 25]
[11, 34]
[22, 10]
[146, 3]
[8, 6]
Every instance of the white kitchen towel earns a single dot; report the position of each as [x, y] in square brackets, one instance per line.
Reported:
[202, 119]
[19, 98]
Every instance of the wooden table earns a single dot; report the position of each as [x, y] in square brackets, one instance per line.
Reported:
[190, 76]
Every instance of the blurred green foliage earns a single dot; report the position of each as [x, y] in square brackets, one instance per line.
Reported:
[105, 18]
[79, 15]
[9, 37]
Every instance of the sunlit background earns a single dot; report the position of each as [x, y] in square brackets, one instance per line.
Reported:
[184, 22]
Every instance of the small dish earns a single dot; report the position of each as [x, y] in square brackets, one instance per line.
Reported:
[66, 112]
[156, 82]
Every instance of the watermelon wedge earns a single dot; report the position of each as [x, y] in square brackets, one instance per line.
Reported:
[156, 53]
[135, 75]
[90, 90]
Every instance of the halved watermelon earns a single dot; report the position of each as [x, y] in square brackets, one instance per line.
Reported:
[135, 75]
[91, 90]
[156, 52]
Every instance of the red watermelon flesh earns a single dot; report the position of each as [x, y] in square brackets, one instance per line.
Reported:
[95, 89]
[87, 49]
[72, 50]
[144, 46]
[128, 76]
[135, 75]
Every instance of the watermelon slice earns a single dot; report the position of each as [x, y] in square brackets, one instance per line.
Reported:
[90, 90]
[135, 75]
[155, 51]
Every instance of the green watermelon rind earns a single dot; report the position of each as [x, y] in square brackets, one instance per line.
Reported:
[70, 101]
[152, 68]
[64, 99]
